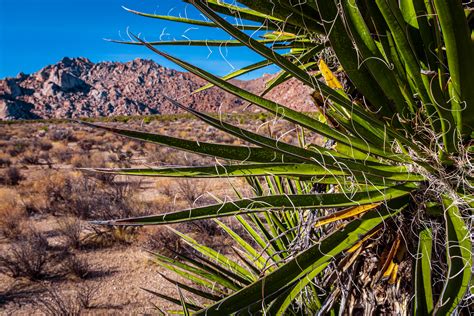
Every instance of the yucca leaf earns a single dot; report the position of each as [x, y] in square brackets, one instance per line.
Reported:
[247, 262]
[189, 21]
[287, 14]
[252, 253]
[302, 60]
[459, 52]
[173, 300]
[320, 157]
[242, 153]
[270, 237]
[196, 272]
[279, 202]
[374, 60]
[236, 271]
[285, 112]
[281, 304]
[423, 292]
[237, 73]
[459, 257]
[245, 170]
[193, 290]
[346, 213]
[296, 171]
[303, 264]
[184, 305]
[303, 76]
[210, 43]
[264, 244]
[239, 11]
[349, 59]
[212, 266]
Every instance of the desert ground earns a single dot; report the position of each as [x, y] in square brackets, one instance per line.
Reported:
[53, 260]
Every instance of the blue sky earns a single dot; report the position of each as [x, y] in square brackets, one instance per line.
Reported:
[35, 33]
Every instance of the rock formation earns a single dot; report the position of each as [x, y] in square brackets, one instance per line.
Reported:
[76, 87]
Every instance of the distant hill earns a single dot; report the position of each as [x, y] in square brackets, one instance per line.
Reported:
[77, 87]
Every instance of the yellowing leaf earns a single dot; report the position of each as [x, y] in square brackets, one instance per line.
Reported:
[357, 246]
[329, 76]
[388, 271]
[393, 275]
[278, 33]
[389, 264]
[346, 213]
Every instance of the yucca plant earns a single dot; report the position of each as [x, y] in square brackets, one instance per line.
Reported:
[382, 207]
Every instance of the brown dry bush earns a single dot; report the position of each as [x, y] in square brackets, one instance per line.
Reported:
[62, 134]
[107, 236]
[5, 160]
[12, 214]
[86, 144]
[62, 153]
[71, 229]
[30, 157]
[76, 267]
[11, 176]
[162, 240]
[85, 197]
[27, 257]
[44, 145]
[194, 192]
[66, 303]
[17, 147]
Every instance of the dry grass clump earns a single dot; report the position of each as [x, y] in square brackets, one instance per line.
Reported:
[17, 147]
[27, 257]
[5, 160]
[107, 236]
[62, 153]
[83, 196]
[71, 229]
[162, 240]
[192, 191]
[66, 303]
[12, 213]
[62, 134]
[76, 267]
[11, 176]
[44, 145]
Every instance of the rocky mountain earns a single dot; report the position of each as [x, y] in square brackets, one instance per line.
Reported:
[77, 87]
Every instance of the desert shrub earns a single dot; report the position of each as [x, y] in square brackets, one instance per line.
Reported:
[62, 153]
[100, 237]
[162, 240]
[27, 257]
[62, 134]
[11, 176]
[5, 161]
[192, 191]
[76, 267]
[86, 144]
[18, 147]
[12, 214]
[71, 228]
[77, 161]
[71, 194]
[74, 302]
[44, 145]
[30, 157]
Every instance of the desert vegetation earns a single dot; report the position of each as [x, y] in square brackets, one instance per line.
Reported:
[376, 217]
[362, 208]
[53, 260]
